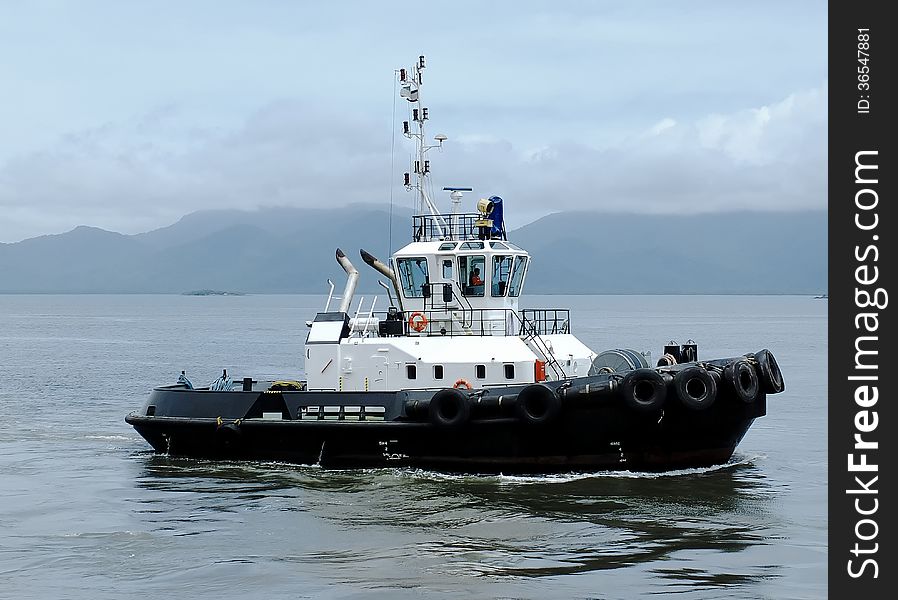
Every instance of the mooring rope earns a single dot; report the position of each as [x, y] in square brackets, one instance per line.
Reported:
[182, 379]
[223, 384]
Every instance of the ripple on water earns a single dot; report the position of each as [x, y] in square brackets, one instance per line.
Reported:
[88, 511]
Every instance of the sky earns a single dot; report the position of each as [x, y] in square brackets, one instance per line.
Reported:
[129, 115]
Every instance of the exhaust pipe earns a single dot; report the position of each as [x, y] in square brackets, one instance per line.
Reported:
[351, 281]
[386, 271]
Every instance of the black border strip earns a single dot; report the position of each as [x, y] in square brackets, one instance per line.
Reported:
[862, 272]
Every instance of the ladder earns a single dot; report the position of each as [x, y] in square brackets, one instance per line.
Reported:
[539, 346]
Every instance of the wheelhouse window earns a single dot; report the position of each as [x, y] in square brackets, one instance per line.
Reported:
[509, 371]
[471, 274]
[501, 274]
[447, 269]
[411, 371]
[472, 246]
[438, 371]
[517, 278]
[480, 371]
[413, 276]
[447, 246]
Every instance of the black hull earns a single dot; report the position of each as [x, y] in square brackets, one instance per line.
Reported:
[591, 431]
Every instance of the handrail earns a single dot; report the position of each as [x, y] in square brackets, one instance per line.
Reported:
[370, 315]
[480, 322]
[330, 295]
[547, 353]
[427, 228]
[465, 304]
[355, 319]
[545, 321]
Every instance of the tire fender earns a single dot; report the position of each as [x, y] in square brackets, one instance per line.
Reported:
[742, 378]
[769, 372]
[695, 388]
[449, 409]
[537, 404]
[644, 390]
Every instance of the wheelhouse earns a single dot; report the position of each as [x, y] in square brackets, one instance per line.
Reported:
[481, 273]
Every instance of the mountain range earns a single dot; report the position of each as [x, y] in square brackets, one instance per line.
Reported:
[291, 250]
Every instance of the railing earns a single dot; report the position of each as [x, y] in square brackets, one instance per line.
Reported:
[463, 322]
[451, 227]
[443, 296]
[478, 322]
[545, 321]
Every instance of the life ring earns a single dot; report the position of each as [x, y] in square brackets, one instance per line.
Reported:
[417, 321]
[537, 404]
[644, 390]
[695, 388]
[463, 383]
[449, 409]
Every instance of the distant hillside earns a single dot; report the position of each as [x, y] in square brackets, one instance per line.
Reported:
[726, 253]
[285, 250]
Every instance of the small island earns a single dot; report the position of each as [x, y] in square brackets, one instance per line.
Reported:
[212, 293]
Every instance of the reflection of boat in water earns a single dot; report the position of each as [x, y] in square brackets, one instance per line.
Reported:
[620, 519]
[821, 296]
[455, 375]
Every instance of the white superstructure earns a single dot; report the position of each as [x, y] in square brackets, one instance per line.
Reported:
[456, 319]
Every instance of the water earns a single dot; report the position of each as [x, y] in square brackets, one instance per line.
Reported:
[86, 511]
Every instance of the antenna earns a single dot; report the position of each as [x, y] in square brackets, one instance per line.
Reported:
[455, 194]
[411, 80]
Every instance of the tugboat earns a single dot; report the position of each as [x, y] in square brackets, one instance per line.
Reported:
[456, 376]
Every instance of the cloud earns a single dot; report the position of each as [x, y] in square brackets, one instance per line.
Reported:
[145, 173]
[771, 157]
[662, 126]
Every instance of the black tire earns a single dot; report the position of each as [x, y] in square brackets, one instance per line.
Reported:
[668, 360]
[449, 409]
[769, 372]
[418, 408]
[537, 404]
[743, 380]
[644, 390]
[229, 437]
[695, 388]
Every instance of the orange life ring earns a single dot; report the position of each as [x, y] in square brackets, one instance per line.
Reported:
[417, 321]
[463, 383]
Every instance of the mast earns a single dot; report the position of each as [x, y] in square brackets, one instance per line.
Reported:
[411, 80]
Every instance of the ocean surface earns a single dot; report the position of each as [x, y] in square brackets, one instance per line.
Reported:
[87, 511]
